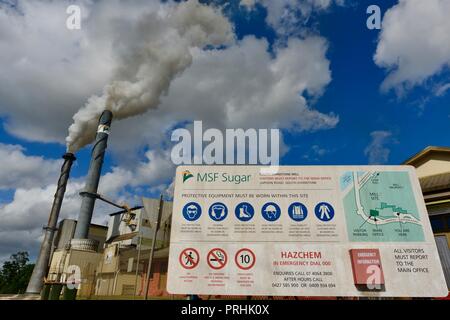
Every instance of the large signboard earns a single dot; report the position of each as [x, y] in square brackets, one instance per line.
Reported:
[305, 231]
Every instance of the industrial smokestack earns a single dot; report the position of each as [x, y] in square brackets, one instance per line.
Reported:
[89, 195]
[40, 269]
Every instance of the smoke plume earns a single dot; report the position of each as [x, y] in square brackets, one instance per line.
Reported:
[151, 56]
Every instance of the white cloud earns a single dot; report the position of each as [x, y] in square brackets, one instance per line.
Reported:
[32, 178]
[47, 70]
[315, 153]
[240, 87]
[18, 170]
[29, 208]
[318, 150]
[376, 151]
[285, 16]
[249, 4]
[25, 216]
[442, 89]
[414, 44]
[14, 241]
[157, 169]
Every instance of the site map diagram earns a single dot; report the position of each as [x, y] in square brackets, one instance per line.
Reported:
[380, 207]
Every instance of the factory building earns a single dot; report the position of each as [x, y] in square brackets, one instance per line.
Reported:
[64, 256]
[119, 264]
[123, 267]
[433, 169]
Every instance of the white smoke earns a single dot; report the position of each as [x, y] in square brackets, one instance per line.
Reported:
[154, 53]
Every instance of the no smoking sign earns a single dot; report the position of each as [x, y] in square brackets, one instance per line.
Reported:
[245, 259]
[217, 258]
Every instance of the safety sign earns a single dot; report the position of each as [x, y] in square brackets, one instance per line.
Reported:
[367, 267]
[302, 231]
[245, 259]
[324, 211]
[244, 211]
[297, 211]
[218, 211]
[217, 258]
[189, 258]
[192, 211]
[271, 211]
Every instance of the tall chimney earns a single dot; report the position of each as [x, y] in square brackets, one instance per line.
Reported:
[40, 269]
[80, 240]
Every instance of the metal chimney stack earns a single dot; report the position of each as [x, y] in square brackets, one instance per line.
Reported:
[40, 269]
[81, 241]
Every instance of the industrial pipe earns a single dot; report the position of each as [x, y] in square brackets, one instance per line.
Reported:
[93, 177]
[40, 269]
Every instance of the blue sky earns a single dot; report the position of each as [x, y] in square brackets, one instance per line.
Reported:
[355, 95]
[387, 108]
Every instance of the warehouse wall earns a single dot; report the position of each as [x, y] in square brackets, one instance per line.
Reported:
[87, 262]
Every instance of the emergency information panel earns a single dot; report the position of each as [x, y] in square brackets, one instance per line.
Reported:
[304, 231]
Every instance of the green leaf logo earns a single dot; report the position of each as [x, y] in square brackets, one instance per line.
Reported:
[187, 175]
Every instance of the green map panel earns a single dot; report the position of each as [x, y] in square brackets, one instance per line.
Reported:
[380, 207]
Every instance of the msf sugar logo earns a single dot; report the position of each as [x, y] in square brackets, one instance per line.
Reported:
[236, 146]
[187, 175]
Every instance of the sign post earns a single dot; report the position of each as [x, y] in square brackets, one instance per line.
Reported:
[152, 251]
[137, 265]
[305, 231]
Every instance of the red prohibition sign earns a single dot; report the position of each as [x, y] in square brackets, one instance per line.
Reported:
[189, 258]
[216, 258]
[241, 263]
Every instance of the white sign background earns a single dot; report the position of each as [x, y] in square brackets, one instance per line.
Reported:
[309, 257]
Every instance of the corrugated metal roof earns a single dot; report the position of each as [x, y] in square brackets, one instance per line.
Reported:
[435, 182]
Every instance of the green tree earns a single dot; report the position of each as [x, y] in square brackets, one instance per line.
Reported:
[15, 273]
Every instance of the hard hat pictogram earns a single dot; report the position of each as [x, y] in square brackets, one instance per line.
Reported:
[271, 211]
